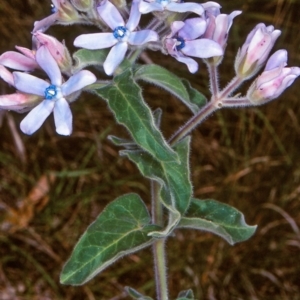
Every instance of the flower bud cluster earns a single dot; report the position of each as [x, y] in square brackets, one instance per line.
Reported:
[171, 31]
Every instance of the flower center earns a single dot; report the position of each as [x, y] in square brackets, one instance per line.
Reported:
[53, 9]
[179, 43]
[119, 32]
[50, 92]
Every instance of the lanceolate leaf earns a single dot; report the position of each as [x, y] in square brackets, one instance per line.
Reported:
[125, 100]
[122, 228]
[172, 177]
[159, 76]
[85, 57]
[218, 218]
[197, 98]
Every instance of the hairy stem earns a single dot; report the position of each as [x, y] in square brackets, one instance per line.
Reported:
[192, 123]
[159, 246]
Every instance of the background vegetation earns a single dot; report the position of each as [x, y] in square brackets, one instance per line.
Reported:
[52, 187]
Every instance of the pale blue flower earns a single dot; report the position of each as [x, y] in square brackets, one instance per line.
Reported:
[185, 40]
[121, 36]
[147, 6]
[54, 94]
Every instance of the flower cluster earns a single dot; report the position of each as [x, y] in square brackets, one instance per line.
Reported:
[204, 36]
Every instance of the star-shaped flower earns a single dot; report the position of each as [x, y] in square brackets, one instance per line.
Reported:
[183, 42]
[54, 93]
[121, 36]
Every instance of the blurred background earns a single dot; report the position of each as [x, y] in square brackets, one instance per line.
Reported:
[52, 187]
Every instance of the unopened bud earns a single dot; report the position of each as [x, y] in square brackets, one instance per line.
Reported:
[66, 12]
[274, 79]
[83, 5]
[57, 49]
[255, 50]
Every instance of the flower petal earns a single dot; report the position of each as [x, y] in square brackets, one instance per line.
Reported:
[45, 23]
[30, 84]
[134, 17]
[193, 28]
[17, 61]
[95, 41]
[185, 7]
[49, 65]
[115, 57]
[78, 82]
[110, 15]
[36, 117]
[63, 117]
[277, 59]
[6, 76]
[19, 102]
[175, 27]
[202, 48]
[143, 36]
[146, 7]
[190, 63]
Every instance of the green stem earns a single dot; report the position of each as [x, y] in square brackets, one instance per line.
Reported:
[159, 246]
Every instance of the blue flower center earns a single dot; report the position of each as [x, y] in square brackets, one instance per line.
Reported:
[53, 9]
[119, 32]
[180, 43]
[50, 92]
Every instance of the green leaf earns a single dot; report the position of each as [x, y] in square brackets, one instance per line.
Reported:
[180, 88]
[125, 100]
[122, 228]
[197, 98]
[85, 57]
[186, 295]
[218, 218]
[126, 143]
[135, 294]
[173, 178]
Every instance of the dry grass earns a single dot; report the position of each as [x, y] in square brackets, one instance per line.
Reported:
[247, 158]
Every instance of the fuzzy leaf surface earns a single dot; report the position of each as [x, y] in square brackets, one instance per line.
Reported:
[121, 228]
[167, 80]
[85, 57]
[218, 218]
[173, 178]
[186, 295]
[134, 294]
[126, 102]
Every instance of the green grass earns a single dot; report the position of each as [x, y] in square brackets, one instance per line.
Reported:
[248, 158]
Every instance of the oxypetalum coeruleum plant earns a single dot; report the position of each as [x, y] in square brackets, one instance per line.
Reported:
[183, 30]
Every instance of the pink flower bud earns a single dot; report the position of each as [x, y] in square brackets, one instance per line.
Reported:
[19, 102]
[274, 79]
[18, 61]
[255, 50]
[57, 49]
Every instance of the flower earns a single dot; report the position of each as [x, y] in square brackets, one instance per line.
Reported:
[57, 49]
[147, 6]
[274, 79]
[19, 102]
[54, 94]
[122, 35]
[183, 42]
[255, 50]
